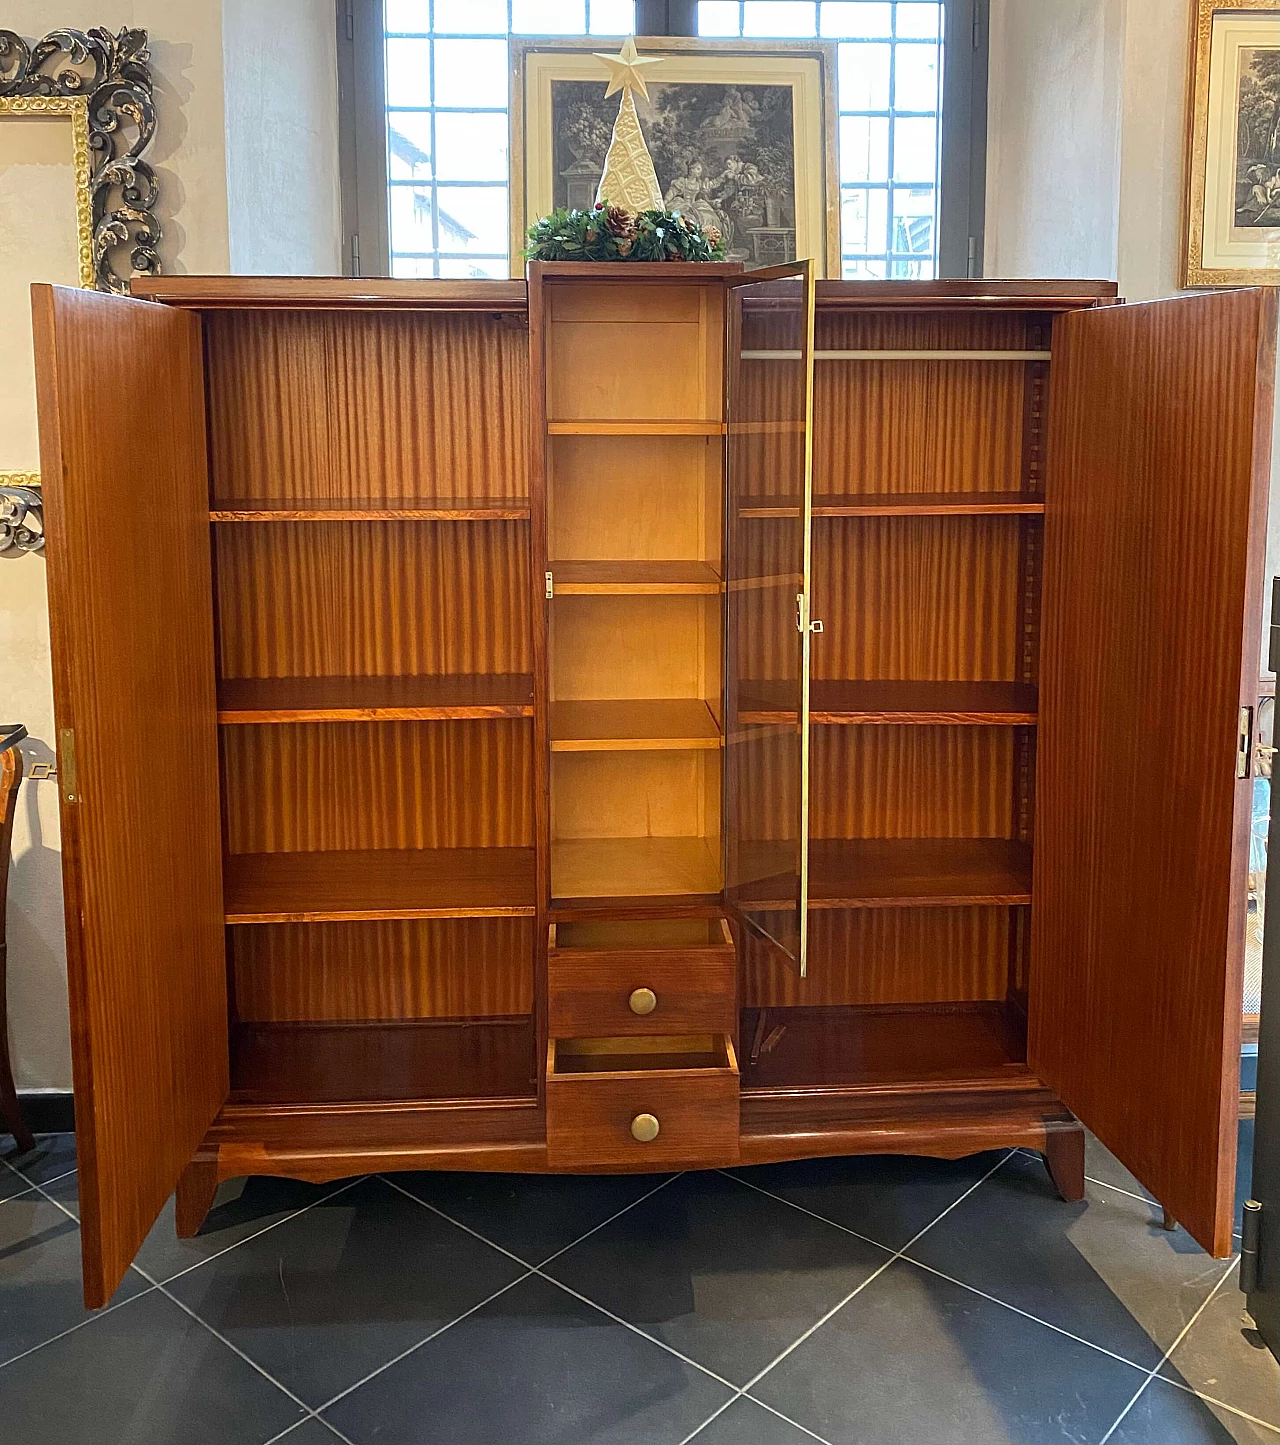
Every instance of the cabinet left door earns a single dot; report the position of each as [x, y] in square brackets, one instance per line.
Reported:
[124, 469]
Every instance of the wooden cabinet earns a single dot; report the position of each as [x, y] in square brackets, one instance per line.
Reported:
[652, 716]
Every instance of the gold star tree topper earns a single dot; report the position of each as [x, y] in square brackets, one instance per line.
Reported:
[629, 179]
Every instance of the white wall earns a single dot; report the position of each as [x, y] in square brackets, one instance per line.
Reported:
[246, 157]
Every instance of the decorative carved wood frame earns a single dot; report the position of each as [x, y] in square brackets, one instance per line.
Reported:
[105, 88]
[1194, 272]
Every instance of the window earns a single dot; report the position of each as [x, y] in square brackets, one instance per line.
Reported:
[425, 124]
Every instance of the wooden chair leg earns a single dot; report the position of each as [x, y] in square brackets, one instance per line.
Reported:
[197, 1185]
[10, 778]
[1064, 1156]
[10, 1109]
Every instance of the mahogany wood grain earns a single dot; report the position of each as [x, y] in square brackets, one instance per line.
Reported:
[831, 1048]
[635, 427]
[10, 1109]
[133, 673]
[616, 724]
[302, 293]
[589, 1114]
[367, 509]
[295, 787]
[193, 1198]
[963, 295]
[899, 504]
[337, 1063]
[342, 885]
[450, 696]
[382, 969]
[1159, 439]
[1064, 1158]
[636, 578]
[998, 704]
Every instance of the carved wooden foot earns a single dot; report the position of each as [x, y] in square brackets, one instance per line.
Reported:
[194, 1198]
[1064, 1156]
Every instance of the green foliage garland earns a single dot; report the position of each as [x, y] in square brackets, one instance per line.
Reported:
[608, 233]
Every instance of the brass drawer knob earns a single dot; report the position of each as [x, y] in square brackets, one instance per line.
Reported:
[644, 1128]
[642, 1001]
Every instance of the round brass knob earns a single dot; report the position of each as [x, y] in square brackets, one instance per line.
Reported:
[642, 1001]
[644, 1128]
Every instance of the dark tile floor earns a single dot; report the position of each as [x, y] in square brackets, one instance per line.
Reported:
[853, 1300]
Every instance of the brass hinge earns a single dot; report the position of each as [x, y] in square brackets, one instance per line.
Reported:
[67, 764]
[1244, 742]
[550, 585]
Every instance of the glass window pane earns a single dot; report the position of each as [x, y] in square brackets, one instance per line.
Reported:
[864, 221]
[863, 73]
[409, 145]
[548, 17]
[408, 15]
[856, 18]
[915, 150]
[471, 17]
[778, 17]
[492, 267]
[865, 271]
[409, 72]
[612, 17]
[471, 72]
[913, 220]
[718, 17]
[864, 148]
[918, 20]
[471, 147]
[915, 77]
[473, 218]
[413, 268]
[411, 219]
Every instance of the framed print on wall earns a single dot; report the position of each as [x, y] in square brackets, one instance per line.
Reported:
[742, 136]
[1233, 151]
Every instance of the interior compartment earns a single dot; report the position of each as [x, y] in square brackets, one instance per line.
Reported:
[639, 1054]
[638, 933]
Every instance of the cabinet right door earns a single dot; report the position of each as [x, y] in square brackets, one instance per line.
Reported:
[1156, 495]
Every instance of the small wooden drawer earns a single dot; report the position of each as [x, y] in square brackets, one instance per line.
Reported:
[651, 1103]
[610, 977]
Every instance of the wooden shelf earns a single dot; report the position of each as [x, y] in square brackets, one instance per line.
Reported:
[906, 873]
[374, 699]
[635, 579]
[367, 509]
[899, 504]
[995, 704]
[326, 1063]
[641, 724]
[638, 427]
[843, 1047]
[381, 883]
[634, 867]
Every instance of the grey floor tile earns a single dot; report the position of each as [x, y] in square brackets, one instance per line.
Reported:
[1166, 1415]
[1101, 1164]
[11, 1182]
[241, 1207]
[1223, 1357]
[333, 1293]
[144, 1374]
[40, 1286]
[1103, 1269]
[723, 1273]
[888, 1197]
[311, 1431]
[913, 1358]
[535, 1366]
[746, 1423]
[533, 1215]
[53, 1155]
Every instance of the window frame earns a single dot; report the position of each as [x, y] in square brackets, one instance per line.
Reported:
[364, 170]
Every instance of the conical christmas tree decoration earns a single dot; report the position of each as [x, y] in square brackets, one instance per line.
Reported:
[629, 179]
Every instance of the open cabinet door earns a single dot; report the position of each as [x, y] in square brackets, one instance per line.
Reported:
[770, 487]
[122, 457]
[1155, 496]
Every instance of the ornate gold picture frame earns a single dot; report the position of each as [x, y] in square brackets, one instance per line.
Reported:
[1232, 208]
[761, 163]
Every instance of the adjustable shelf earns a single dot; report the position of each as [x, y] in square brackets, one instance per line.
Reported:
[374, 699]
[900, 504]
[634, 867]
[379, 883]
[367, 509]
[906, 873]
[994, 704]
[635, 427]
[633, 725]
[635, 579]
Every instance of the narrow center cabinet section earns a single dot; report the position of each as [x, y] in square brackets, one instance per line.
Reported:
[375, 696]
[628, 365]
